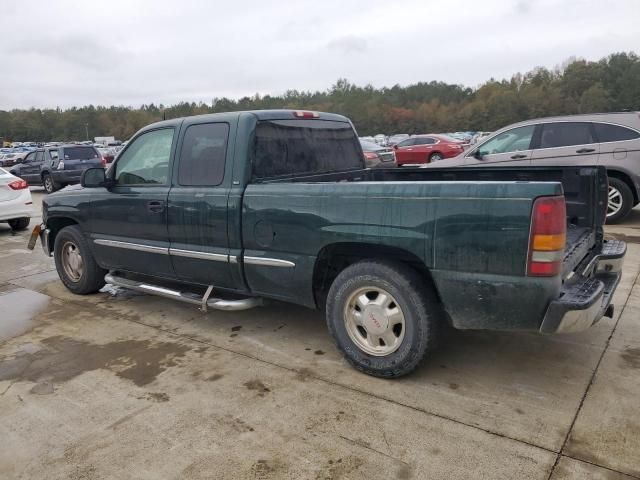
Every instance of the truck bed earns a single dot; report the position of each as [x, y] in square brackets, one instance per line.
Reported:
[585, 191]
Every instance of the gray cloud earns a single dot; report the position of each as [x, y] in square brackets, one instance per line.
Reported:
[348, 44]
[67, 53]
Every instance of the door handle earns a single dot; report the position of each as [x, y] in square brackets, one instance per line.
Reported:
[155, 206]
[518, 156]
[586, 150]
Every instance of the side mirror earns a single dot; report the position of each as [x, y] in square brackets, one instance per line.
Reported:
[94, 178]
[478, 155]
[395, 147]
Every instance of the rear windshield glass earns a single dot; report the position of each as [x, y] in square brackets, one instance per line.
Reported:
[290, 147]
[79, 153]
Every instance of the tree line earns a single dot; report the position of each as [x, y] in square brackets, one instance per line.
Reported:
[578, 86]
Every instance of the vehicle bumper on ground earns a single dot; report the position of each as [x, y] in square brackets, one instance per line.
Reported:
[582, 303]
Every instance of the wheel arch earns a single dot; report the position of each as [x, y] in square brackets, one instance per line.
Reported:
[334, 258]
[55, 224]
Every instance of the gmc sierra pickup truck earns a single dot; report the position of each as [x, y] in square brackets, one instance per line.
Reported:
[278, 204]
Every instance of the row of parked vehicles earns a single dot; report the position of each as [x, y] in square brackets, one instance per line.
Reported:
[611, 139]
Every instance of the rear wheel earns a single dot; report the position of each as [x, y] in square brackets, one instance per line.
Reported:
[434, 157]
[620, 200]
[19, 223]
[383, 316]
[48, 183]
[75, 264]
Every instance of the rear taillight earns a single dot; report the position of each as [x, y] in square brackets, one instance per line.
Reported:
[18, 185]
[103, 161]
[302, 114]
[548, 237]
[370, 155]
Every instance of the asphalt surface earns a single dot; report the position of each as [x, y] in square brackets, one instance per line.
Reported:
[122, 385]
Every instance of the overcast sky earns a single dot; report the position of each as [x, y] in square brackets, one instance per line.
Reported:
[66, 53]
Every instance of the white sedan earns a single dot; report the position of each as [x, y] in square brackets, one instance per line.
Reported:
[15, 201]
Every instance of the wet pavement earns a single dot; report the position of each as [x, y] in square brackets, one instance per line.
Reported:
[116, 385]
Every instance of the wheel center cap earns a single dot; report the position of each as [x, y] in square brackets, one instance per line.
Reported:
[375, 321]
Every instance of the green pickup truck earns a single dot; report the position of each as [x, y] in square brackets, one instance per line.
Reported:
[226, 210]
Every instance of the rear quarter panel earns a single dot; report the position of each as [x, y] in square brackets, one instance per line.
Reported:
[473, 236]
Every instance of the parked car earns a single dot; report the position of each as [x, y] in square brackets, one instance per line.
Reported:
[397, 138]
[421, 149]
[278, 204]
[108, 154]
[15, 201]
[10, 159]
[380, 139]
[376, 156]
[55, 168]
[609, 139]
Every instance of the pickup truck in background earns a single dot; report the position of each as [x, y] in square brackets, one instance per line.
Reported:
[278, 204]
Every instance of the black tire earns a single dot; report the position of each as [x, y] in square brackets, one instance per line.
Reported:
[416, 299]
[48, 183]
[435, 156]
[627, 200]
[92, 277]
[19, 223]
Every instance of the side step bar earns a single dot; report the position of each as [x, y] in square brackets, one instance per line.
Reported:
[188, 297]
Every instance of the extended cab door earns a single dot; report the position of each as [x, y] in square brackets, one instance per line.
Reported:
[565, 143]
[511, 147]
[198, 212]
[128, 222]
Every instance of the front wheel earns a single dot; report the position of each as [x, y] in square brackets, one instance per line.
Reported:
[75, 264]
[383, 316]
[620, 200]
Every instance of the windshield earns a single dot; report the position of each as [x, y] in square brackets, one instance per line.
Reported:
[290, 147]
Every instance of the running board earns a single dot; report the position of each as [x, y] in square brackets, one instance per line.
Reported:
[188, 297]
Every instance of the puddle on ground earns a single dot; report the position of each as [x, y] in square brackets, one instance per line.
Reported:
[63, 358]
[18, 311]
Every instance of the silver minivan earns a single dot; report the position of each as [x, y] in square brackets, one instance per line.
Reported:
[609, 139]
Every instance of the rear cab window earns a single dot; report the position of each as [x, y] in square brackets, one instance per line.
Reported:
[304, 147]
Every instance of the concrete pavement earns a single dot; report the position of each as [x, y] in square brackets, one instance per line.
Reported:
[134, 386]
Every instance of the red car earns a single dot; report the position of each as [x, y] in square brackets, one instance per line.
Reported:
[426, 149]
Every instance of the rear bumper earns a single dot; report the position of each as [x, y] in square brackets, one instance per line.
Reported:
[585, 301]
[18, 207]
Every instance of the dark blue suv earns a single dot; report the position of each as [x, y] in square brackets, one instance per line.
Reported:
[56, 167]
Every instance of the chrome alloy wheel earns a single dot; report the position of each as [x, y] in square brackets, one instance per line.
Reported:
[72, 261]
[374, 321]
[615, 201]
